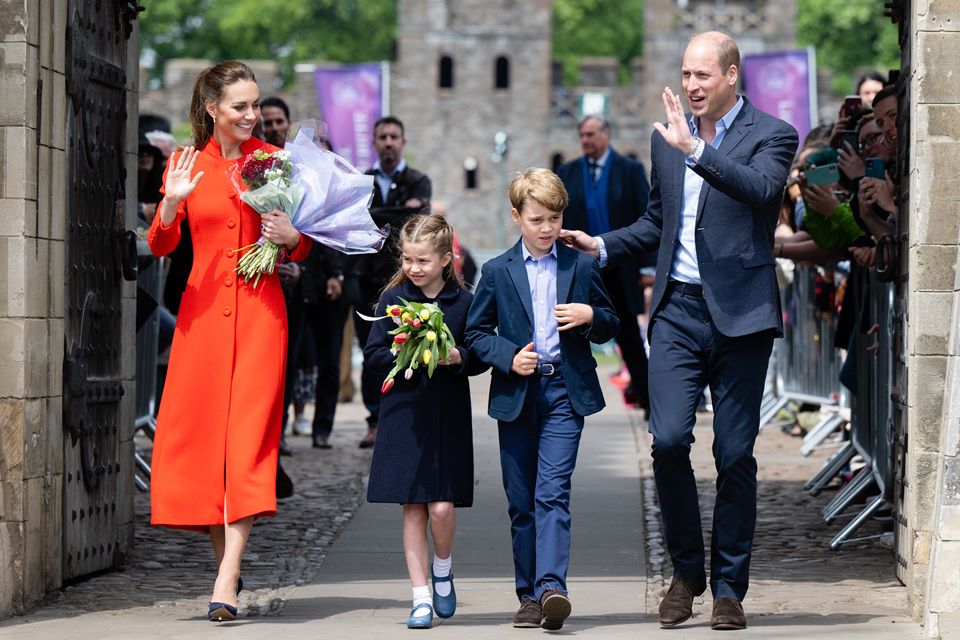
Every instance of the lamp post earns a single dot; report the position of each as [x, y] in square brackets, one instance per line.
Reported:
[501, 145]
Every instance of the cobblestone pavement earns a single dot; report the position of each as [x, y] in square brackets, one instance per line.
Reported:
[172, 568]
[793, 570]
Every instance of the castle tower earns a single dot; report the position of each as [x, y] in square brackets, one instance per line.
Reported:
[464, 72]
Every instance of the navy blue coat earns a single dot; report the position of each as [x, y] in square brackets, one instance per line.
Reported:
[424, 450]
[501, 323]
[736, 215]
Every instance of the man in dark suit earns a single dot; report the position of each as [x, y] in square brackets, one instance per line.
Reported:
[718, 175]
[608, 191]
[398, 193]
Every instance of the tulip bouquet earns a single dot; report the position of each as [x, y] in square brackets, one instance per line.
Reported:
[420, 339]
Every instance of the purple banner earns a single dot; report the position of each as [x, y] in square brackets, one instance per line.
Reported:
[349, 101]
[783, 84]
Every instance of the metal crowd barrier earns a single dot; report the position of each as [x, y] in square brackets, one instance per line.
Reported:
[150, 279]
[805, 369]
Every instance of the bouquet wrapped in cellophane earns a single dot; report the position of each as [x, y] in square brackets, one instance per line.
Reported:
[325, 196]
[421, 339]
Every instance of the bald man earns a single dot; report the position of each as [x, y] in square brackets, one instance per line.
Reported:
[717, 179]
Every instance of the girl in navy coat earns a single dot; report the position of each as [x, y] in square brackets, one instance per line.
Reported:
[423, 458]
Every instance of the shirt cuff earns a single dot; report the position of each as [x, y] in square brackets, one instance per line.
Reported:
[603, 251]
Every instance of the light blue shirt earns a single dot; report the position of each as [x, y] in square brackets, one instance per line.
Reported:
[542, 278]
[385, 180]
[685, 266]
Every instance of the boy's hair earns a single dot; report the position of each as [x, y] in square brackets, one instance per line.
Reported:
[540, 185]
[430, 228]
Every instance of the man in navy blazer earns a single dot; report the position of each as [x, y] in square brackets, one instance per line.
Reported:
[535, 311]
[609, 191]
[717, 177]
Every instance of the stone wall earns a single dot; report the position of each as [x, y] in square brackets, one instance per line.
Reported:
[32, 205]
[934, 312]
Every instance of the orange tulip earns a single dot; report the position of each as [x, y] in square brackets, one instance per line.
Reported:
[387, 385]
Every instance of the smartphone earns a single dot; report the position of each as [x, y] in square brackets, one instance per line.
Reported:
[852, 105]
[850, 137]
[875, 168]
[827, 174]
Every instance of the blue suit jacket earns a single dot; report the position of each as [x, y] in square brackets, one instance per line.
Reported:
[737, 214]
[626, 201]
[500, 323]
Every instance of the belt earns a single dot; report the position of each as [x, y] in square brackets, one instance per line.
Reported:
[548, 369]
[686, 288]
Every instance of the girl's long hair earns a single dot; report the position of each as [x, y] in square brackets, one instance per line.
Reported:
[209, 87]
[430, 228]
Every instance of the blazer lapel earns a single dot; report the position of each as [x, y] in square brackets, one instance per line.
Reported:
[734, 136]
[518, 273]
[566, 262]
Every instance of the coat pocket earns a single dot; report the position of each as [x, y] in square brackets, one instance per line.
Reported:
[752, 259]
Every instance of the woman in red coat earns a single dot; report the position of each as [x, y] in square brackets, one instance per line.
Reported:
[218, 429]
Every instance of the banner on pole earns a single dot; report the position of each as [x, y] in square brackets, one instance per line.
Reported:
[783, 84]
[349, 98]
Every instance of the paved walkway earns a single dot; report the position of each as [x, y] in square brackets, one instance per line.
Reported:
[325, 569]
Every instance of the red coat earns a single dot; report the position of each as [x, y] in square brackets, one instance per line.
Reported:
[218, 428]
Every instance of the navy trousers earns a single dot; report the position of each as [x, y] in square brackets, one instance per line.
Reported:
[686, 354]
[538, 453]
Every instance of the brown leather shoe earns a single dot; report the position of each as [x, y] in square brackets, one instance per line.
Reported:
[677, 605]
[727, 615]
[528, 616]
[556, 608]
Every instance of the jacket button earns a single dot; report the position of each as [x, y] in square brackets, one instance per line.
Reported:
[226, 311]
[233, 195]
[228, 282]
[231, 223]
[230, 252]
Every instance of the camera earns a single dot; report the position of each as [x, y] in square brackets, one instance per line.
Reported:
[852, 105]
[849, 136]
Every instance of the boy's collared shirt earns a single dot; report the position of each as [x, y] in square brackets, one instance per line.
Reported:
[542, 278]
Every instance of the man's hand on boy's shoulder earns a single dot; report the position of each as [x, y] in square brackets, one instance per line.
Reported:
[580, 241]
[572, 315]
[525, 361]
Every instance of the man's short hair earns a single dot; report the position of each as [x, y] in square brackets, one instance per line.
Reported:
[274, 101]
[389, 120]
[540, 185]
[887, 91]
[729, 54]
[602, 122]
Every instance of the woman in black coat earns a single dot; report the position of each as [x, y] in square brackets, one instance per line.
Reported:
[423, 457]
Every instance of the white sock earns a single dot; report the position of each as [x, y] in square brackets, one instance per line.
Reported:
[441, 569]
[421, 600]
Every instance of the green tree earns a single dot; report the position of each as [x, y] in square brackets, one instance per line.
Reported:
[288, 31]
[849, 36]
[597, 28]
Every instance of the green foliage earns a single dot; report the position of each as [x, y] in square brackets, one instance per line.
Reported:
[597, 28]
[288, 31]
[849, 36]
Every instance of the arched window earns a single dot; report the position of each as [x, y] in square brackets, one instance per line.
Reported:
[555, 161]
[502, 73]
[446, 72]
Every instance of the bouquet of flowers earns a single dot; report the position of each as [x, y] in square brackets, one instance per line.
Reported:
[325, 196]
[268, 178]
[420, 339]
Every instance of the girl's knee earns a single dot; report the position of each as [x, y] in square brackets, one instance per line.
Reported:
[414, 512]
[440, 510]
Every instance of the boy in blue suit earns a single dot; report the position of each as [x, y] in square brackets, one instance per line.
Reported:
[535, 311]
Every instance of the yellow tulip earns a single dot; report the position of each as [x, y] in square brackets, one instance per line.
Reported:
[424, 315]
[426, 356]
[431, 336]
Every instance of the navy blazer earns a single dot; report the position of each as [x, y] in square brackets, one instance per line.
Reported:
[626, 202]
[500, 323]
[737, 214]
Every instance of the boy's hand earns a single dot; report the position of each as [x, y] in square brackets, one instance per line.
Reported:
[573, 315]
[525, 362]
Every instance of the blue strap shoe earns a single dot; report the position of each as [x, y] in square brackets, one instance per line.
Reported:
[445, 606]
[221, 612]
[422, 621]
